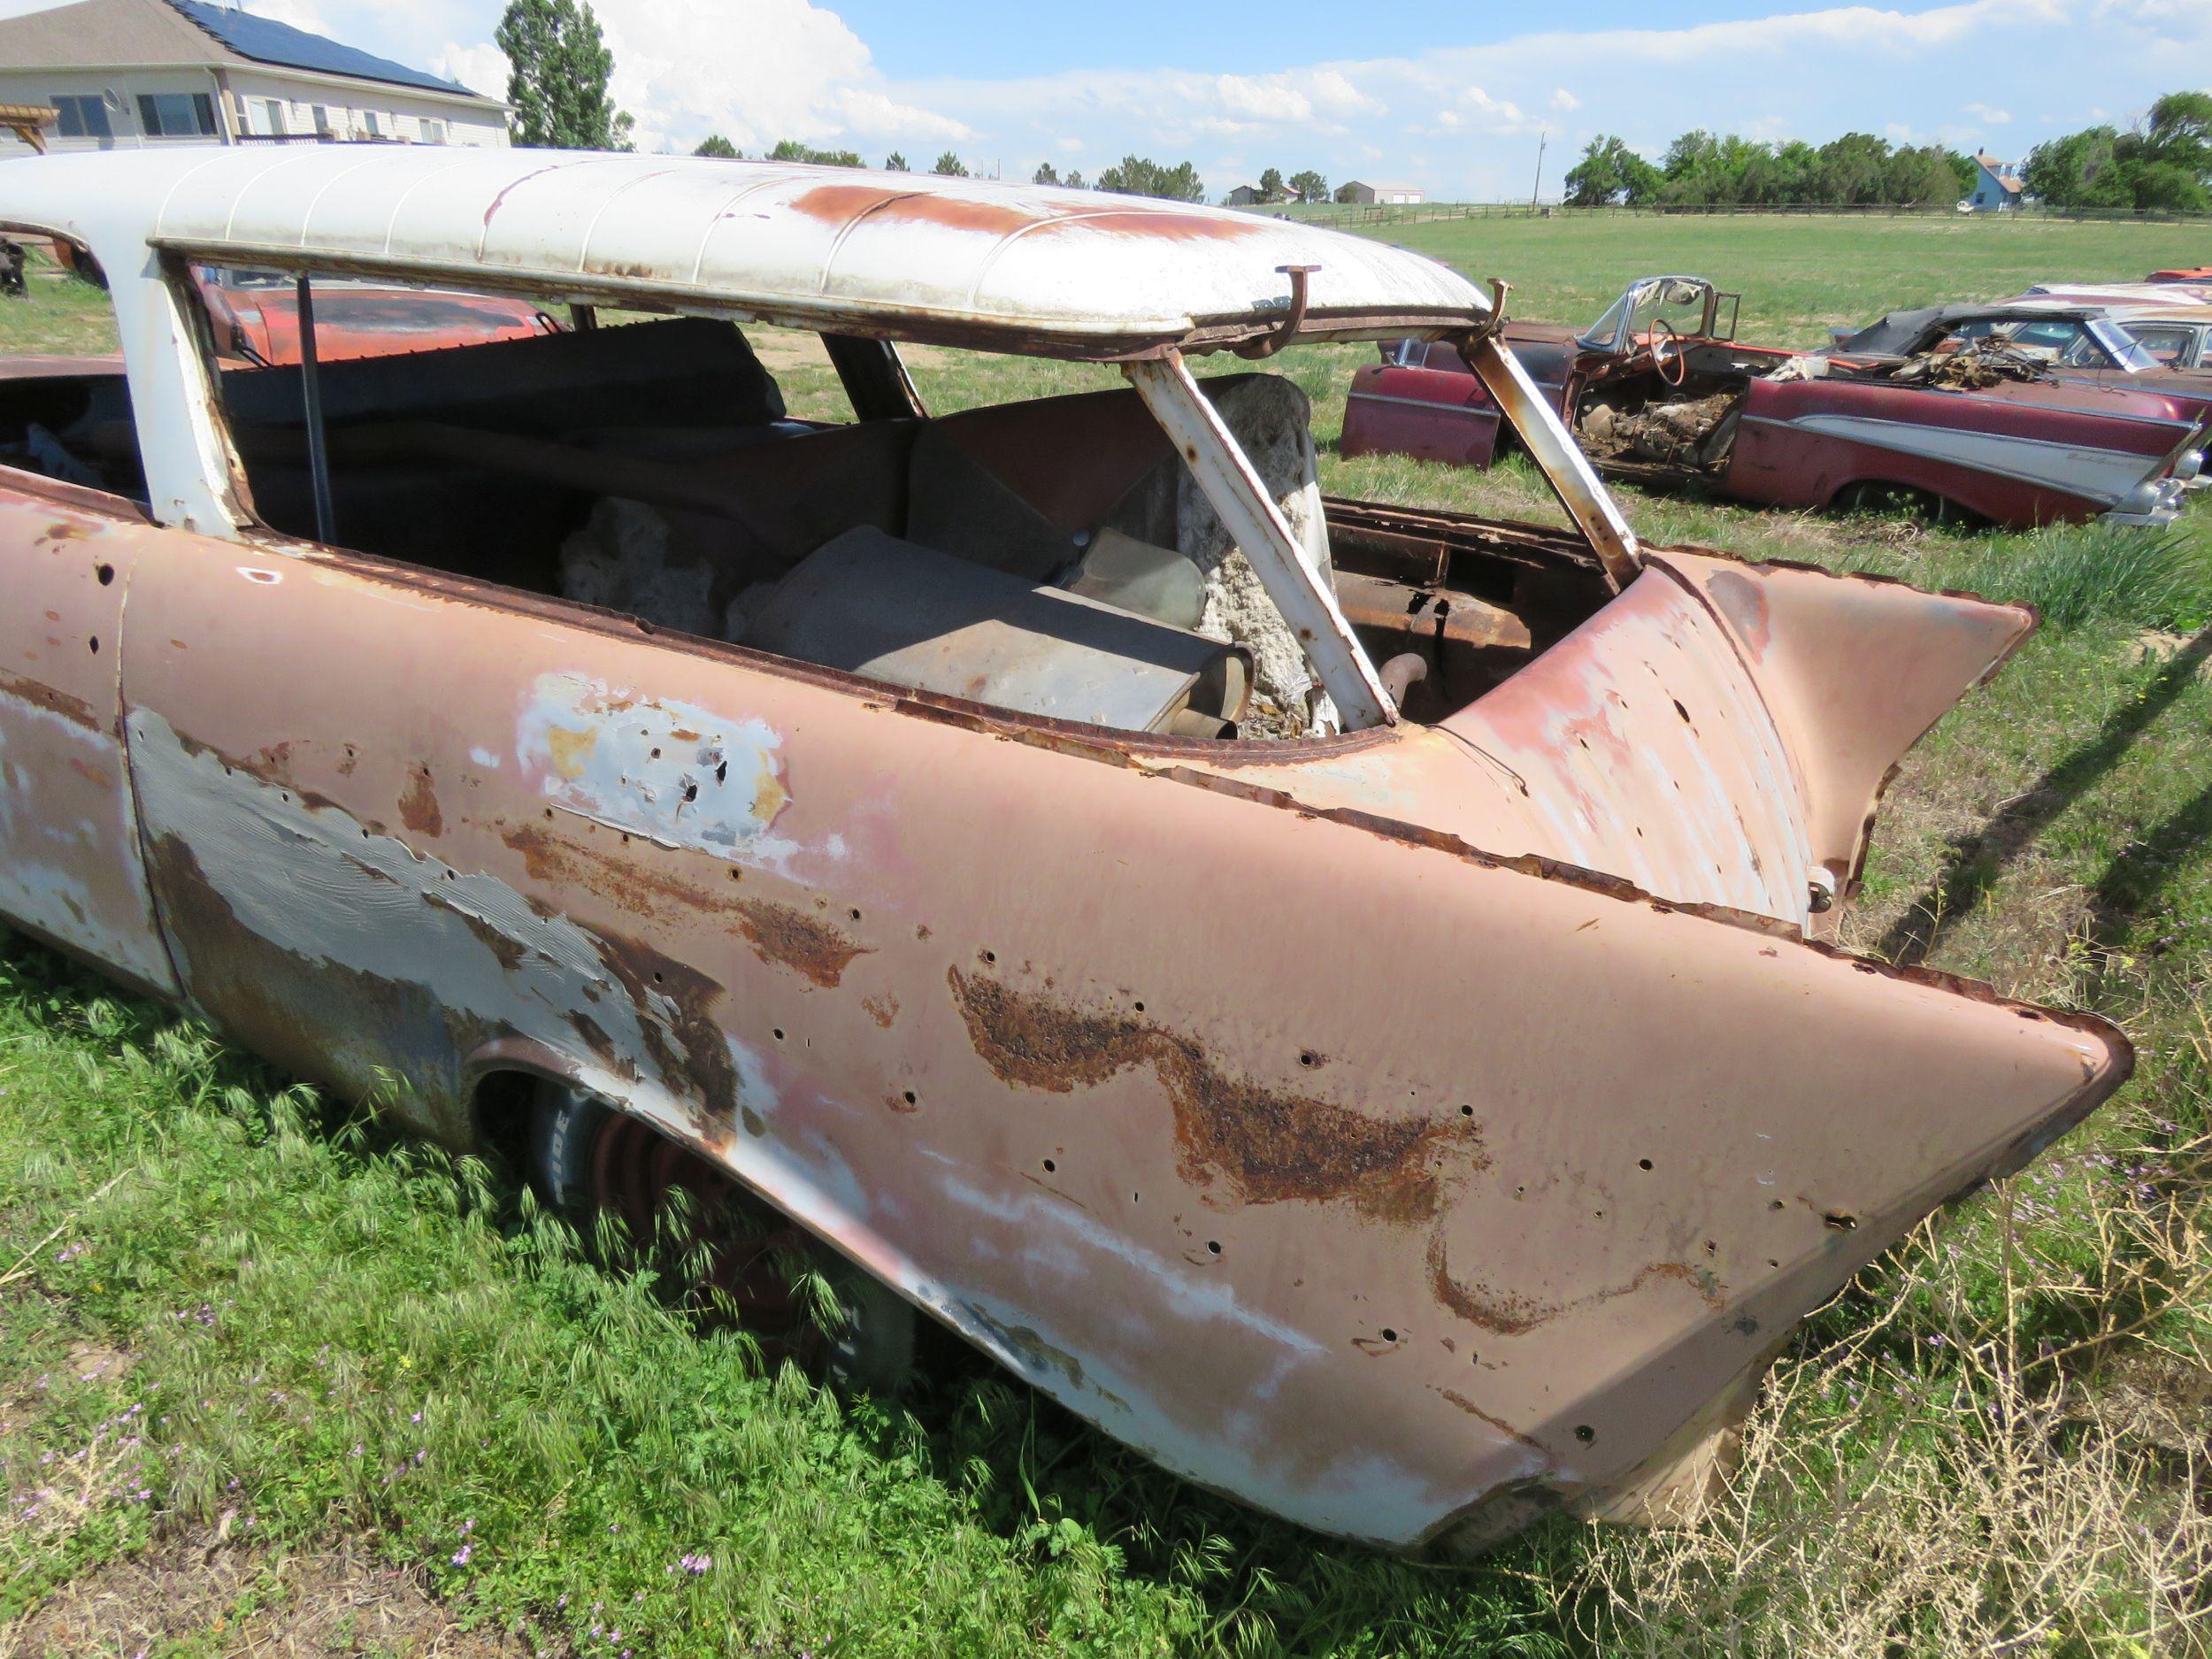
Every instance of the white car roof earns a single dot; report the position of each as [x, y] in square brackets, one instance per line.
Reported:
[1009, 266]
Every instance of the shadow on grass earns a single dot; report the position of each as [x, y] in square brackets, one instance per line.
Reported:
[1029, 1468]
[1977, 862]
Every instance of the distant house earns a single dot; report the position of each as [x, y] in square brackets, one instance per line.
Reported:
[1360, 191]
[1243, 196]
[1996, 184]
[128, 74]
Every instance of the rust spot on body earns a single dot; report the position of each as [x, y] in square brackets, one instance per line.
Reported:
[418, 807]
[1265, 1143]
[1509, 1313]
[76, 710]
[1498, 1424]
[781, 934]
[883, 1009]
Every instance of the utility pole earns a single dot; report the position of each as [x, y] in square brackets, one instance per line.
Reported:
[1541, 138]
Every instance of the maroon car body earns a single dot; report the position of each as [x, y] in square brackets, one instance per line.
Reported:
[1659, 392]
[255, 315]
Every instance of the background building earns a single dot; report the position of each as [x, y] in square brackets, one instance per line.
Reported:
[126, 74]
[1360, 191]
[1996, 184]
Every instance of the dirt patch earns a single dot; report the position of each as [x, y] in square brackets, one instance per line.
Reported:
[237, 1602]
[2157, 646]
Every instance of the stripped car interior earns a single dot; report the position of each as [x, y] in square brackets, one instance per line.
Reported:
[923, 823]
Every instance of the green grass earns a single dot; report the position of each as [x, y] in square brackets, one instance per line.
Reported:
[1994, 1442]
[1798, 276]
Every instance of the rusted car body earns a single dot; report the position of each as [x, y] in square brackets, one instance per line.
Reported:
[1660, 392]
[1409, 1127]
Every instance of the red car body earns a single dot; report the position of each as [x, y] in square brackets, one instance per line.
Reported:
[256, 316]
[2016, 454]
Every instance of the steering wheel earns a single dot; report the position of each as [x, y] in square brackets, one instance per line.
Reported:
[1661, 326]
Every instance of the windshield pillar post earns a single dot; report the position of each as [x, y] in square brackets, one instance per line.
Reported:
[311, 396]
[1340, 663]
[1565, 468]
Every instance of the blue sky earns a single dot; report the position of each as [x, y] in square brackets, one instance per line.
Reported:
[1007, 38]
[1450, 98]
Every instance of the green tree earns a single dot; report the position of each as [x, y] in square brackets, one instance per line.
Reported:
[1140, 175]
[1310, 186]
[951, 165]
[1074, 181]
[715, 144]
[1920, 178]
[1046, 174]
[557, 71]
[1610, 172]
[2079, 170]
[1853, 169]
[1965, 171]
[791, 150]
[1272, 185]
[894, 162]
[2179, 133]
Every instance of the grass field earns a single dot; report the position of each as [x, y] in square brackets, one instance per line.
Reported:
[273, 1381]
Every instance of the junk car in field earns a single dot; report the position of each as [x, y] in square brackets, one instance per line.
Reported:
[2086, 345]
[1658, 391]
[1341, 996]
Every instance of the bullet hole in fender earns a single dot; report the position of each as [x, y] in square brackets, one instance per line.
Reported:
[1466, 1111]
[1050, 1166]
[1840, 1220]
[95, 643]
[1585, 1433]
[106, 573]
[1643, 1164]
[909, 1098]
[1213, 1246]
[1679, 709]
[1389, 1335]
[777, 1033]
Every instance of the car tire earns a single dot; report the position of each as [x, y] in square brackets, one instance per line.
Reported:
[871, 1349]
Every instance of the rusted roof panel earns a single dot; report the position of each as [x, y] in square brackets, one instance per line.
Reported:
[898, 253]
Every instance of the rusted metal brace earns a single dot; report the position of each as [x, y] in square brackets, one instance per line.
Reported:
[1565, 468]
[1287, 330]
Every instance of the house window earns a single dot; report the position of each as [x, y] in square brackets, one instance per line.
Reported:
[433, 132]
[83, 116]
[176, 114]
[375, 123]
[321, 114]
[267, 115]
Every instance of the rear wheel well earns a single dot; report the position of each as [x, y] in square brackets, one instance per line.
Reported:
[1914, 501]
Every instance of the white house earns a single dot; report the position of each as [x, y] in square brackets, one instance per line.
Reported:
[1996, 184]
[1359, 190]
[125, 74]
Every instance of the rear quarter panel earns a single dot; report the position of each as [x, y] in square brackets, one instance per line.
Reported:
[2018, 461]
[1036, 1029]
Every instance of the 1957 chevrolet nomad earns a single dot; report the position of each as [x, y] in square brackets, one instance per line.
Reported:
[1338, 995]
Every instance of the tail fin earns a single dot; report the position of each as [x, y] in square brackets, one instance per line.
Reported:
[1853, 670]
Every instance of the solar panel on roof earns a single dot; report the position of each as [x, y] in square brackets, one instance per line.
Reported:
[267, 41]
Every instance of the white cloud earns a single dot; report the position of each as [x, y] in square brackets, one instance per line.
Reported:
[482, 68]
[761, 70]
